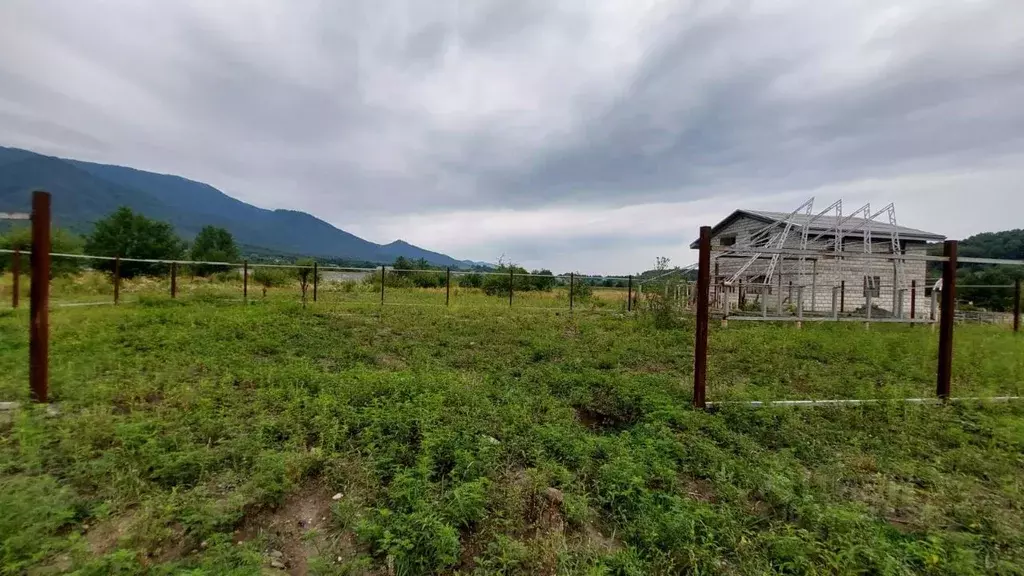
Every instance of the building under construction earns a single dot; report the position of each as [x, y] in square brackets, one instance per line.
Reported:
[818, 263]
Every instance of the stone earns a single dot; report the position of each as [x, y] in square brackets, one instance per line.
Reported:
[277, 564]
[337, 496]
[555, 495]
[276, 554]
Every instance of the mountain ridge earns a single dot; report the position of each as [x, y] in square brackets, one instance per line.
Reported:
[84, 192]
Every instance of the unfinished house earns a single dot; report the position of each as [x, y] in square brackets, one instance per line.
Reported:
[853, 261]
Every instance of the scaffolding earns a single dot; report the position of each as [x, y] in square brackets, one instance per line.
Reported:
[820, 252]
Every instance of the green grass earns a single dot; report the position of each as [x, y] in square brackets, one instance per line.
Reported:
[481, 440]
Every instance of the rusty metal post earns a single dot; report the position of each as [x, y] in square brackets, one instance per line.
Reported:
[947, 315]
[16, 279]
[39, 301]
[629, 294]
[1016, 305]
[778, 308]
[913, 299]
[511, 276]
[245, 281]
[572, 278]
[174, 279]
[842, 296]
[447, 285]
[700, 348]
[117, 280]
[316, 273]
[381, 284]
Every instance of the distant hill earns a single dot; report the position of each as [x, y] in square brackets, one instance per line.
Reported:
[84, 192]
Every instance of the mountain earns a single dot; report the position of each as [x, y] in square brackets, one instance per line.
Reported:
[84, 192]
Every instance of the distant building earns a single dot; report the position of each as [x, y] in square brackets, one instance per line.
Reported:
[743, 231]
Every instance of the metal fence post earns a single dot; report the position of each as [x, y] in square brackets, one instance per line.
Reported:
[447, 285]
[868, 297]
[511, 277]
[1016, 305]
[245, 281]
[117, 279]
[39, 301]
[572, 278]
[913, 299]
[778, 307]
[814, 286]
[700, 348]
[316, 274]
[800, 306]
[842, 296]
[945, 372]
[381, 284]
[174, 279]
[629, 294]
[725, 305]
[16, 279]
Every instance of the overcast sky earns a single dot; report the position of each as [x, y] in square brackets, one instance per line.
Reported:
[585, 135]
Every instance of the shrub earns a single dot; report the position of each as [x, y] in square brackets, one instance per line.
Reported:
[419, 541]
[271, 277]
[61, 241]
[474, 280]
[581, 289]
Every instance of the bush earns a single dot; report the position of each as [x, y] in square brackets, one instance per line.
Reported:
[581, 289]
[474, 280]
[61, 241]
[420, 542]
[497, 283]
[271, 277]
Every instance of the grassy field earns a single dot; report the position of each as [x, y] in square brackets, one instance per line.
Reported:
[204, 436]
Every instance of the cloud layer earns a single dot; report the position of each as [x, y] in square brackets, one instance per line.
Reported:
[572, 135]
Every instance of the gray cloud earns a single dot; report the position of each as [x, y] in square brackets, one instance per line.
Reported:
[371, 112]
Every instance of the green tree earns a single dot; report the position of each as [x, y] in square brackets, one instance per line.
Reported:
[61, 241]
[127, 234]
[213, 244]
[305, 275]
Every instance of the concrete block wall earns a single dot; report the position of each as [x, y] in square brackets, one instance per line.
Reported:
[819, 278]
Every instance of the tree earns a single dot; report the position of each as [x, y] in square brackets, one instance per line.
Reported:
[305, 276]
[213, 244]
[127, 234]
[61, 241]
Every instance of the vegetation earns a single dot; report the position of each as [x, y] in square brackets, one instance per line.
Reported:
[508, 275]
[213, 244]
[1006, 245]
[201, 436]
[306, 275]
[131, 235]
[61, 241]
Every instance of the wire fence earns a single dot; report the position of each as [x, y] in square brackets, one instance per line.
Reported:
[91, 280]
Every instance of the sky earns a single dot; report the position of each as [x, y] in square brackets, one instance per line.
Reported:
[588, 135]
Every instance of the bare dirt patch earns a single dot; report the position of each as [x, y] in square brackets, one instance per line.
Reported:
[298, 531]
[699, 489]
